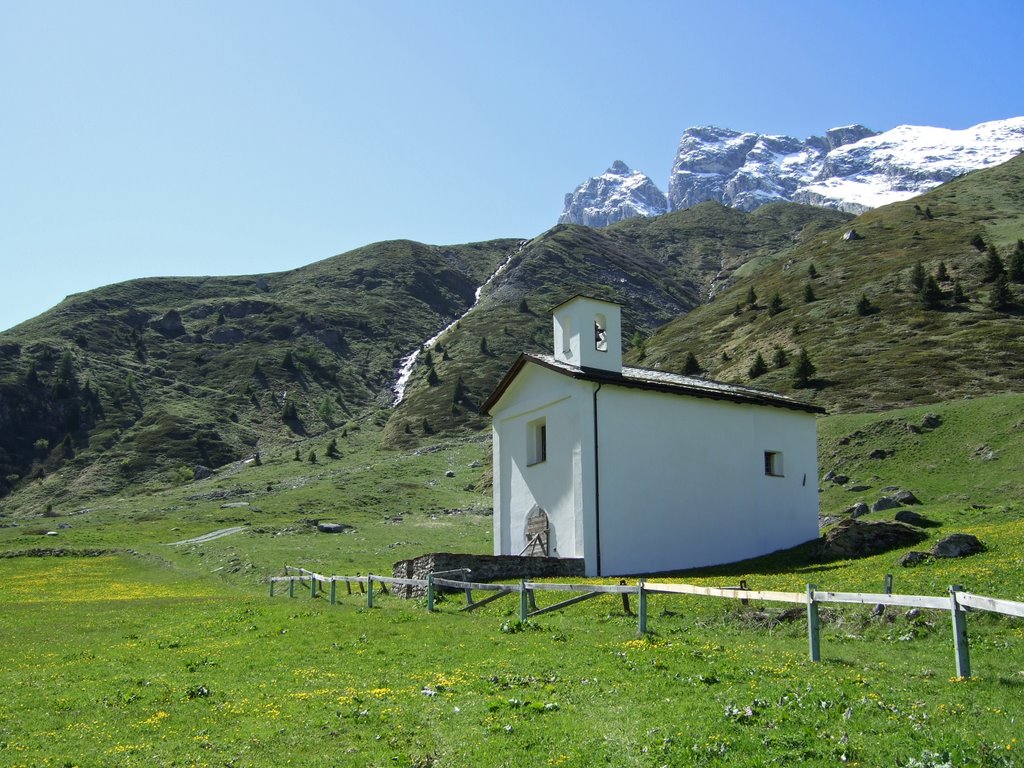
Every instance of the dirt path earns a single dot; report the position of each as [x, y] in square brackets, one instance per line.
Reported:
[209, 536]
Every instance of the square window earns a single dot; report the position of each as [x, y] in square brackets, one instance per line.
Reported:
[536, 442]
[773, 463]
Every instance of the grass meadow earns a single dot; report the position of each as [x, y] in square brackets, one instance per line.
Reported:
[153, 654]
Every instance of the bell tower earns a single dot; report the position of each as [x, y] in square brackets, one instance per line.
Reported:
[588, 334]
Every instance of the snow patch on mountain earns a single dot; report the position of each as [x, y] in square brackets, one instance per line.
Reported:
[908, 161]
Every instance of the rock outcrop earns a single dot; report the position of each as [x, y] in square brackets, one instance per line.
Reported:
[858, 538]
[619, 193]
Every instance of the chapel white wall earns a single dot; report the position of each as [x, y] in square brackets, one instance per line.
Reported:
[682, 481]
[557, 485]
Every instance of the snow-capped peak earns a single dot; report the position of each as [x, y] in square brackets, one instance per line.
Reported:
[619, 193]
[850, 168]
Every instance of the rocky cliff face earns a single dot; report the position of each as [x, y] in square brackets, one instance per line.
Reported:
[619, 193]
[852, 169]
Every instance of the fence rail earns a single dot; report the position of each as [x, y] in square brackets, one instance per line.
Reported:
[958, 602]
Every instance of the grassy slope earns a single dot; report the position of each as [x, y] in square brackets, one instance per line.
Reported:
[899, 355]
[216, 391]
[177, 657]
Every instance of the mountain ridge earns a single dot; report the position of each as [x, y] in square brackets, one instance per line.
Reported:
[850, 168]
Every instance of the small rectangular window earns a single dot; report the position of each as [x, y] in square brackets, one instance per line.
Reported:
[773, 463]
[536, 441]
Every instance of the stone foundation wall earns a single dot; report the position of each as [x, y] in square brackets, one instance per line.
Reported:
[482, 568]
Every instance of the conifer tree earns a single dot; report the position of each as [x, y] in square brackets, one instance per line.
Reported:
[1001, 296]
[958, 293]
[804, 371]
[931, 294]
[775, 305]
[690, 366]
[751, 297]
[993, 264]
[811, 271]
[864, 306]
[809, 293]
[1017, 263]
[780, 359]
[460, 391]
[758, 367]
[332, 449]
[942, 274]
[290, 412]
[917, 276]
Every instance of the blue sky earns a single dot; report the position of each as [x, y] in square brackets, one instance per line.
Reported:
[235, 137]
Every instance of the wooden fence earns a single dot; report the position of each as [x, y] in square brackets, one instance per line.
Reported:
[958, 602]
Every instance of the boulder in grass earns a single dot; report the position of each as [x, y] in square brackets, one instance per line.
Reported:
[905, 497]
[912, 518]
[858, 509]
[912, 558]
[958, 545]
[884, 503]
[859, 538]
[333, 527]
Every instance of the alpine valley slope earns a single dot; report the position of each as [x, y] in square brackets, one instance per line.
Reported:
[138, 382]
[708, 258]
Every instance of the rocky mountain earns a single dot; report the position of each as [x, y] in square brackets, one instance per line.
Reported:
[618, 193]
[852, 169]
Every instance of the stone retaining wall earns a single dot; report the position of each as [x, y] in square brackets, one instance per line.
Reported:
[482, 568]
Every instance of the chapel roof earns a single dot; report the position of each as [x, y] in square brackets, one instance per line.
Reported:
[651, 380]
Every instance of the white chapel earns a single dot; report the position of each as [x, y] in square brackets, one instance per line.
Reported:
[641, 471]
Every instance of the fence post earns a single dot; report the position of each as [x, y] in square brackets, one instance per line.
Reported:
[812, 625]
[271, 586]
[469, 592]
[524, 610]
[333, 590]
[625, 599]
[641, 598]
[369, 590]
[963, 656]
[291, 586]
[312, 585]
[430, 592]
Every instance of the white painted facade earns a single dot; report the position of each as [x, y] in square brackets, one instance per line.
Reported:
[641, 471]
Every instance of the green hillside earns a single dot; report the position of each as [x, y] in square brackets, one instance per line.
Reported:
[657, 269]
[133, 381]
[895, 351]
[140, 382]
